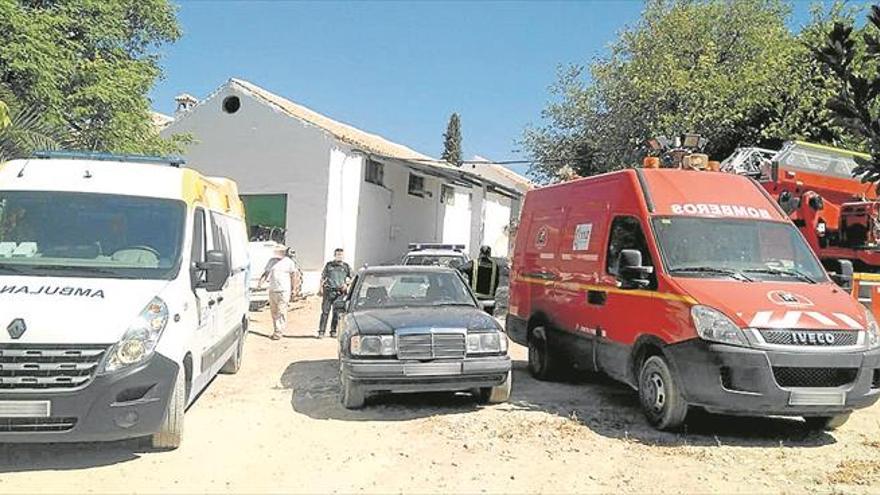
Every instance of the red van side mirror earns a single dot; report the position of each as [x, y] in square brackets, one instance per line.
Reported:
[630, 272]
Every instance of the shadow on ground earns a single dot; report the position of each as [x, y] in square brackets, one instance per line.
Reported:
[65, 456]
[314, 387]
[595, 402]
[612, 409]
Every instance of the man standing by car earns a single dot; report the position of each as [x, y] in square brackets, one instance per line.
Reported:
[334, 284]
[482, 274]
[280, 272]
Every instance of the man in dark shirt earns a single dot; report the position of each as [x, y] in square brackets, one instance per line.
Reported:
[334, 284]
[482, 274]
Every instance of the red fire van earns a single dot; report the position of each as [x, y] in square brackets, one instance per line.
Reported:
[695, 289]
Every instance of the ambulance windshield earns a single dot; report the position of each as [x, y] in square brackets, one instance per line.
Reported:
[67, 234]
[742, 249]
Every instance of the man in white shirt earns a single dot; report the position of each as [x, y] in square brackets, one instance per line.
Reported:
[280, 272]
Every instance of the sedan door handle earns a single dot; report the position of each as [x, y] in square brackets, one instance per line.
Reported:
[211, 303]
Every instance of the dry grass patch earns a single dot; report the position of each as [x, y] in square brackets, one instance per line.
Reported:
[855, 472]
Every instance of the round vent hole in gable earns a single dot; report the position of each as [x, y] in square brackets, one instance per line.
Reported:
[231, 104]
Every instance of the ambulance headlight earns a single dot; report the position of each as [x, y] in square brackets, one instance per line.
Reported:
[139, 341]
[715, 326]
[872, 330]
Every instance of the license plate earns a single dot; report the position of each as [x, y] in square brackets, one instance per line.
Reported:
[25, 409]
[432, 369]
[817, 398]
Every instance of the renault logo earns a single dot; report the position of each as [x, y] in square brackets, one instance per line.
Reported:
[17, 328]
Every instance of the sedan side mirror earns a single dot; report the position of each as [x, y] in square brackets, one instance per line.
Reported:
[841, 272]
[630, 272]
[216, 270]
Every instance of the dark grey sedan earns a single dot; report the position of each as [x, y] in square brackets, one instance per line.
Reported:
[419, 329]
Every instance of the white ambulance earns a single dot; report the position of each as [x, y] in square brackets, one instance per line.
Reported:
[123, 292]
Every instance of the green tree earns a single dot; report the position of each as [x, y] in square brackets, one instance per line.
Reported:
[5, 120]
[89, 65]
[452, 141]
[855, 62]
[729, 70]
[23, 129]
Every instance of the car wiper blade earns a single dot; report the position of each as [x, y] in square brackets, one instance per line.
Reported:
[88, 269]
[781, 271]
[712, 269]
[10, 269]
[453, 304]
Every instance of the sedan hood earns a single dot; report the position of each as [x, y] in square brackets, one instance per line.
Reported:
[778, 304]
[384, 321]
[58, 310]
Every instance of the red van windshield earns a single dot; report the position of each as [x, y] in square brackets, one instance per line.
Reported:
[693, 246]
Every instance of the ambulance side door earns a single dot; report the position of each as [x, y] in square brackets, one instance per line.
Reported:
[206, 304]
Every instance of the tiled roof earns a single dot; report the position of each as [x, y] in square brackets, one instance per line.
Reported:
[344, 132]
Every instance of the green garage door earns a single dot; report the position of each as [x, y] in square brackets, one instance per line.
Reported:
[265, 212]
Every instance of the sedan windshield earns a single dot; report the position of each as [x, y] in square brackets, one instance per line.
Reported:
[394, 290]
[89, 235]
[740, 249]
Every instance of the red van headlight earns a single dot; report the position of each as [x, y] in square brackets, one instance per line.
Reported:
[715, 326]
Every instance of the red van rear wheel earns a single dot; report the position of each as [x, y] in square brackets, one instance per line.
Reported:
[660, 395]
[542, 363]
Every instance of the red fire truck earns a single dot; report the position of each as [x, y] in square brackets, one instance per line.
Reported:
[838, 214]
[694, 288]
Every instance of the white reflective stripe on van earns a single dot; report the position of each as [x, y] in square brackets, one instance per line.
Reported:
[791, 319]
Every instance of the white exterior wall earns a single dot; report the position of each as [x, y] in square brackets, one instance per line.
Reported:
[266, 152]
[497, 217]
[476, 223]
[390, 218]
[343, 196]
[457, 219]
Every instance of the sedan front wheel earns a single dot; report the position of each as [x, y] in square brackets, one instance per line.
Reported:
[498, 393]
[351, 396]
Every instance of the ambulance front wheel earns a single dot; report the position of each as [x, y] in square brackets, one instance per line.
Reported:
[660, 395]
[542, 363]
[171, 431]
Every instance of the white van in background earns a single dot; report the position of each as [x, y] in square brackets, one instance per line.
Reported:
[123, 292]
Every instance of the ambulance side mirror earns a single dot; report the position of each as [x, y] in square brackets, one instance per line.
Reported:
[841, 272]
[630, 272]
[216, 269]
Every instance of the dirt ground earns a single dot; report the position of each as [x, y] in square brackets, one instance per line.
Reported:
[277, 426]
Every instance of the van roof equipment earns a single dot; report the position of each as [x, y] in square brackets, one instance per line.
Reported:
[173, 161]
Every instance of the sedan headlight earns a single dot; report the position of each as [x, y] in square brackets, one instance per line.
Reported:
[139, 341]
[715, 326]
[872, 330]
[373, 345]
[488, 342]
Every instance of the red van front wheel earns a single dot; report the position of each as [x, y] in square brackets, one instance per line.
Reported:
[660, 395]
[542, 363]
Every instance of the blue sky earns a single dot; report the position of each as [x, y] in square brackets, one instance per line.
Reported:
[398, 69]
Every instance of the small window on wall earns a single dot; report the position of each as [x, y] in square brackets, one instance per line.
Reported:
[375, 173]
[447, 195]
[417, 185]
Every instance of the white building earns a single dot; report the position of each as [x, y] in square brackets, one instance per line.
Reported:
[332, 185]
